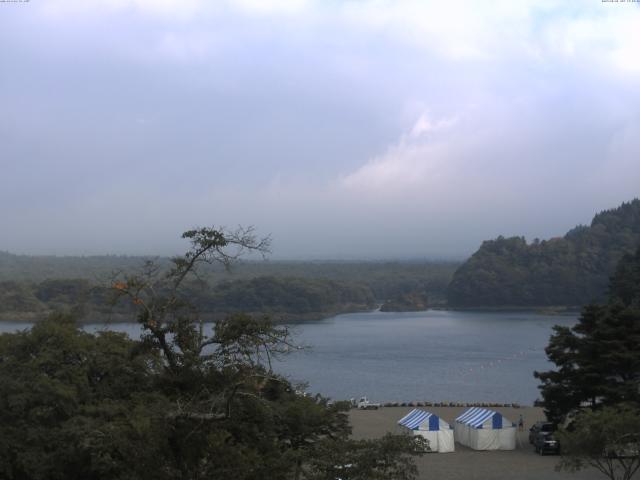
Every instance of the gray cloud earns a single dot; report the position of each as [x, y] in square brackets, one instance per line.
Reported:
[346, 129]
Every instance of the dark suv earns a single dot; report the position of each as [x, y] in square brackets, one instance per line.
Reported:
[540, 427]
[546, 442]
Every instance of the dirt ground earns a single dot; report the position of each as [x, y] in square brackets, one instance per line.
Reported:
[465, 463]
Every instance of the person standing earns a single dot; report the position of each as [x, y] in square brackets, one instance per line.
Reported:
[521, 423]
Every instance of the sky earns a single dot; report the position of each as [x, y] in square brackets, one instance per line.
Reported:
[354, 129]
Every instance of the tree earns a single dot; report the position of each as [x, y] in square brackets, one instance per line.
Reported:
[168, 319]
[596, 387]
[598, 360]
[75, 405]
[220, 382]
[388, 457]
[625, 283]
[607, 439]
[181, 402]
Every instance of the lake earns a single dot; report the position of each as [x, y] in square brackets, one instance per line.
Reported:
[424, 356]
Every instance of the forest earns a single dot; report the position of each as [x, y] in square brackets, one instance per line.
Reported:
[176, 403]
[571, 270]
[33, 287]
[566, 271]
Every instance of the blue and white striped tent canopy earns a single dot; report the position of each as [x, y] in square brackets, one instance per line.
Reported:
[476, 417]
[419, 419]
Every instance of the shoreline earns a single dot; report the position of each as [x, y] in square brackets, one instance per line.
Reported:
[291, 318]
[208, 317]
[449, 404]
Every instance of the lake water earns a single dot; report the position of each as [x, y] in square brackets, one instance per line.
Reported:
[424, 356]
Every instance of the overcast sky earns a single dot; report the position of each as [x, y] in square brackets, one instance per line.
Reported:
[346, 129]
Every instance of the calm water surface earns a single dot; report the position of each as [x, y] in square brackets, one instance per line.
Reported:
[423, 356]
[426, 356]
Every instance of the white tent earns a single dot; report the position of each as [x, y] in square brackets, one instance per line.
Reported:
[438, 432]
[483, 429]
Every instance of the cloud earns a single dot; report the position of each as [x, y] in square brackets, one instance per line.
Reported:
[468, 30]
[371, 127]
[271, 7]
[421, 158]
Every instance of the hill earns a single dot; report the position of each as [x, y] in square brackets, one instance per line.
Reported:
[32, 287]
[569, 271]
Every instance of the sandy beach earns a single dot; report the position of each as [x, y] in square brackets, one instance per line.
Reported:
[465, 463]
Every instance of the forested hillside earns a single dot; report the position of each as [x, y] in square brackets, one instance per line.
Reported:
[385, 278]
[284, 298]
[297, 297]
[571, 270]
[32, 287]
[43, 267]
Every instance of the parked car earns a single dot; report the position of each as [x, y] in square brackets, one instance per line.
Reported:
[546, 442]
[540, 427]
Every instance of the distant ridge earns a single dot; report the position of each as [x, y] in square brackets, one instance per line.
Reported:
[565, 271]
[41, 267]
[32, 287]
